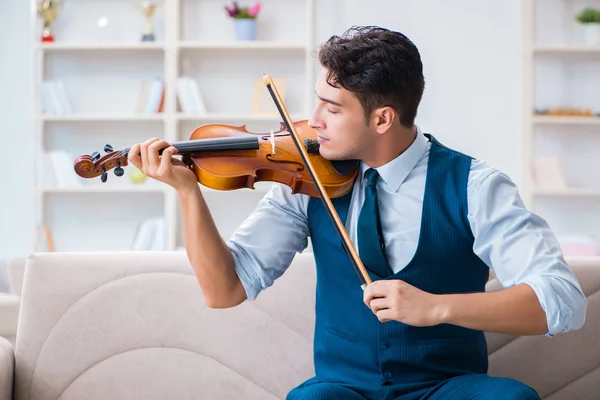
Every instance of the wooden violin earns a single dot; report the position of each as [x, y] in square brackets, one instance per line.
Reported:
[226, 157]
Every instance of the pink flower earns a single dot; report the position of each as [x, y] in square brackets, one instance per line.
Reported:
[234, 10]
[254, 10]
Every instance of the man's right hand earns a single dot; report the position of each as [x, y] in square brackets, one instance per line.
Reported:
[164, 168]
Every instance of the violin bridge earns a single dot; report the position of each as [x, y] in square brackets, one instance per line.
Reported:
[272, 142]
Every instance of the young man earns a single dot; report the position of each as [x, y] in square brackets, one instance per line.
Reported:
[444, 220]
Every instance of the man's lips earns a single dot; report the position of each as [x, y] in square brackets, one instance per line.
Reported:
[321, 139]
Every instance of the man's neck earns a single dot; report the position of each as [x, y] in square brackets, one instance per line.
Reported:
[394, 144]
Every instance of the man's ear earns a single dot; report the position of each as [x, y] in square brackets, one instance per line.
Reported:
[383, 119]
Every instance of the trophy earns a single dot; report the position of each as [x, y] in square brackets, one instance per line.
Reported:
[47, 10]
[148, 9]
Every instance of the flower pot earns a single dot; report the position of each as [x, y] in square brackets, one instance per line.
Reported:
[245, 29]
[591, 34]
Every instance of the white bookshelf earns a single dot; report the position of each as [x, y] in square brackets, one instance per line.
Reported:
[102, 64]
[561, 70]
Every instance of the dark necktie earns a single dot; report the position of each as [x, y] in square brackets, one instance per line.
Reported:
[370, 237]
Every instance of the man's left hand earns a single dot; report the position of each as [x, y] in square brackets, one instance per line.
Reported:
[396, 300]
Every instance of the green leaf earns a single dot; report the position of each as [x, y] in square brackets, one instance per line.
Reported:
[588, 16]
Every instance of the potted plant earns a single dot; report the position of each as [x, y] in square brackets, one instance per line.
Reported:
[589, 18]
[245, 20]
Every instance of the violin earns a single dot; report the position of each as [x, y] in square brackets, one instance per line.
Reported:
[227, 157]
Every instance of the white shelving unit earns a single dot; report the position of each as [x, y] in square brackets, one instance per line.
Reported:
[561, 71]
[100, 59]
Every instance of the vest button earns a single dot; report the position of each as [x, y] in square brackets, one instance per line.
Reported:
[384, 345]
[387, 375]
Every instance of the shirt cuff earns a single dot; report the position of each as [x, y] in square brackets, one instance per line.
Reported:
[247, 275]
[559, 315]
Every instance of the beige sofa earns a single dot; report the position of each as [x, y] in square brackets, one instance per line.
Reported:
[133, 325]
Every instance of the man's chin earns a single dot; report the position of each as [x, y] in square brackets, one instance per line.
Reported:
[329, 156]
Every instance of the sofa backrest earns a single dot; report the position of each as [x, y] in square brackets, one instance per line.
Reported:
[134, 325]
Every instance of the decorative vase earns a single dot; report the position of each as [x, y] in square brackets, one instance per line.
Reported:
[245, 29]
[591, 34]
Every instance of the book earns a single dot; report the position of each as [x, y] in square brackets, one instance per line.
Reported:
[190, 99]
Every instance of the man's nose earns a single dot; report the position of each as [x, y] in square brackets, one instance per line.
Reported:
[315, 122]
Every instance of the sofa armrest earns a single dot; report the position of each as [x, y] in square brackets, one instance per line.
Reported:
[16, 273]
[7, 369]
[566, 366]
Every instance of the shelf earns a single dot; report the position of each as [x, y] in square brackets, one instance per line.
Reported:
[234, 117]
[566, 49]
[559, 120]
[574, 192]
[250, 45]
[104, 189]
[102, 117]
[52, 47]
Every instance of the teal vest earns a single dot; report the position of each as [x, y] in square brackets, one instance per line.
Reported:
[351, 345]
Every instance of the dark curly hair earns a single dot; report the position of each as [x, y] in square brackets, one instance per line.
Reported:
[381, 67]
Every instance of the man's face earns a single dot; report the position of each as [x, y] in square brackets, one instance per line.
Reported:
[339, 121]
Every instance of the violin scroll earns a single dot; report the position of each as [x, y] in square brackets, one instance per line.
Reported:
[92, 166]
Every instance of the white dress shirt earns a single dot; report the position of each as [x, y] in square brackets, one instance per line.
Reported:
[513, 241]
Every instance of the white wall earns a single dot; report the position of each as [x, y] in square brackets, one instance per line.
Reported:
[16, 165]
[472, 51]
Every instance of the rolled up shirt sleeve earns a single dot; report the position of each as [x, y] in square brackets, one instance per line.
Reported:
[265, 244]
[521, 248]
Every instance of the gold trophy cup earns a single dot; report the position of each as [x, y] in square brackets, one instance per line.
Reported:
[47, 11]
[148, 9]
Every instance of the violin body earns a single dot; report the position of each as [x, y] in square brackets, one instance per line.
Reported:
[227, 157]
[276, 160]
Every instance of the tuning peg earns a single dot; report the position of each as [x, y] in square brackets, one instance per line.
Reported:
[95, 156]
[108, 148]
[104, 176]
[119, 171]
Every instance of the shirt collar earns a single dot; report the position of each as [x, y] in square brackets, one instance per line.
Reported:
[395, 172]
